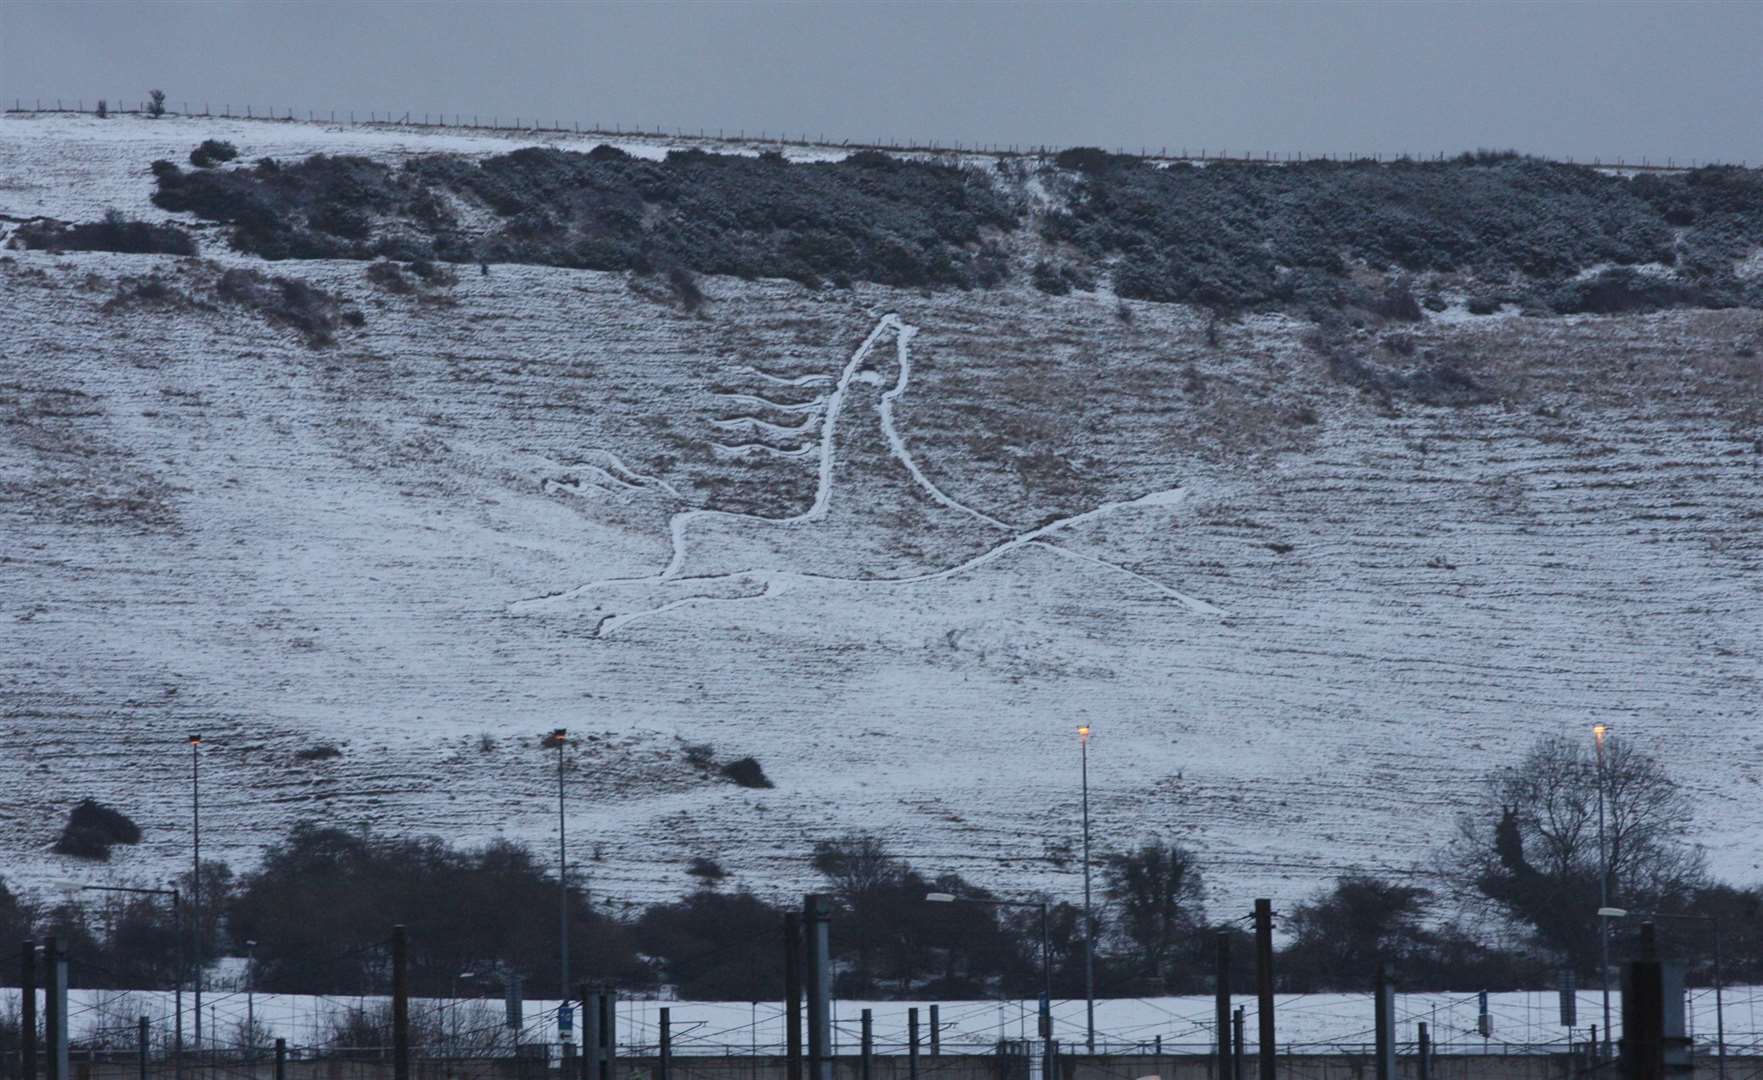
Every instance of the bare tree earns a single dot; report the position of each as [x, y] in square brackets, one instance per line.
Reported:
[156, 103]
[1532, 844]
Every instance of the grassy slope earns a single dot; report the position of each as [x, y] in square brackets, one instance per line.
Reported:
[212, 527]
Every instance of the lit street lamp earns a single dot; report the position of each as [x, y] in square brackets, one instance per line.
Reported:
[557, 740]
[1083, 742]
[1598, 733]
[1607, 913]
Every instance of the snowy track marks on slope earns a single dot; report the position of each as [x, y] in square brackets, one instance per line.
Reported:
[770, 580]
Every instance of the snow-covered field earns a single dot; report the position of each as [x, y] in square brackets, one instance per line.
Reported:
[1302, 626]
[1314, 1023]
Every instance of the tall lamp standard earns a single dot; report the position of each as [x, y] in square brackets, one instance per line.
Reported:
[1719, 1003]
[177, 936]
[558, 738]
[1598, 733]
[196, 881]
[1083, 742]
[1044, 1021]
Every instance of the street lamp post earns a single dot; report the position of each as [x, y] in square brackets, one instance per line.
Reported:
[453, 1002]
[1046, 1010]
[196, 882]
[557, 740]
[1598, 733]
[177, 936]
[1719, 980]
[1083, 742]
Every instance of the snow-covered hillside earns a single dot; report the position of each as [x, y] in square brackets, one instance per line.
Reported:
[1302, 623]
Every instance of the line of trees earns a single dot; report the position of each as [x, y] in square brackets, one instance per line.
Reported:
[1509, 903]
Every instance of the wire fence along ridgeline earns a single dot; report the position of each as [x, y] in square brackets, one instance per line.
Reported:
[530, 125]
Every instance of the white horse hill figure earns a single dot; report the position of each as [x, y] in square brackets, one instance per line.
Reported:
[867, 478]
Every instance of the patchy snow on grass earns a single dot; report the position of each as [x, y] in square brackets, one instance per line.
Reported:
[208, 525]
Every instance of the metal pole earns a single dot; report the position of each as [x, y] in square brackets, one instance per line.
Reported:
[664, 1052]
[177, 1007]
[866, 1061]
[592, 1036]
[609, 1033]
[792, 996]
[936, 1038]
[1221, 996]
[1089, 924]
[1046, 960]
[1719, 1005]
[196, 880]
[27, 989]
[1264, 985]
[1384, 1020]
[818, 980]
[141, 1045]
[281, 1059]
[400, 1005]
[562, 879]
[55, 1010]
[250, 1001]
[1237, 1027]
[1046, 1014]
[1603, 892]
[1424, 1045]
[911, 1043]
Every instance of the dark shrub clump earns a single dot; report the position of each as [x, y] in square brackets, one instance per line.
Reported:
[1614, 292]
[315, 313]
[685, 288]
[92, 828]
[212, 152]
[150, 290]
[114, 233]
[707, 869]
[747, 773]
[324, 752]
[385, 274]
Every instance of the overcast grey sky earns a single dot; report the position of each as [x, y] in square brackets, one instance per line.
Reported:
[1680, 78]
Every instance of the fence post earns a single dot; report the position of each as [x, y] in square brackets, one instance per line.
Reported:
[1423, 1043]
[936, 1038]
[664, 1052]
